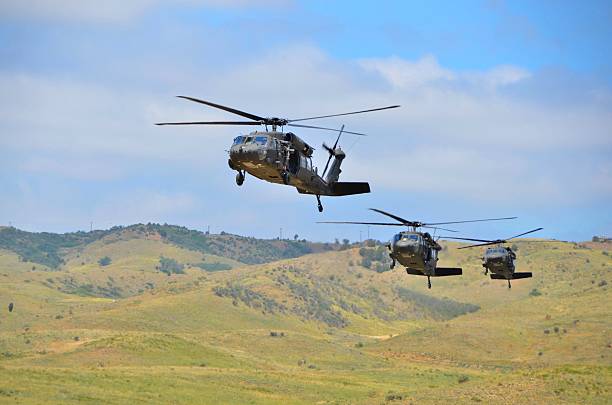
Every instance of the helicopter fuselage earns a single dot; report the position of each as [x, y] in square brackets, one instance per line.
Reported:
[284, 158]
[416, 251]
[499, 260]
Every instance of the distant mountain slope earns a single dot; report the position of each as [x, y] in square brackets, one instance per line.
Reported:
[50, 249]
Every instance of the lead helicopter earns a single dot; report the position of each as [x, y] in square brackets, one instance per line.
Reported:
[499, 260]
[283, 157]
[417, 251]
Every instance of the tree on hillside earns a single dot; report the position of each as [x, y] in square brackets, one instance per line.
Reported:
[105, 261]
[170, 266]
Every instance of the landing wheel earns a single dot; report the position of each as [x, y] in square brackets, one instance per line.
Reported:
[239, 178]
[285, 177]
[428, 282]
[319, 205]
[392, 263]
[509, 285]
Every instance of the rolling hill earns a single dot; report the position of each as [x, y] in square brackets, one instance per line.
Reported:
[175, 314]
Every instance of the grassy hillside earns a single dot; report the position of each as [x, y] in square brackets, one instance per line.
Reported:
[326, 327]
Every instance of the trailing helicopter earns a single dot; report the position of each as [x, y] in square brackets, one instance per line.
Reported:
[499, 260]
[283, 157]
[417, 251]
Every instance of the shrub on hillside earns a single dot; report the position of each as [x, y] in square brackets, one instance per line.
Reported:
[216, 266]
[105, 261]
[535, 292]
[170, 266]
[251, 298]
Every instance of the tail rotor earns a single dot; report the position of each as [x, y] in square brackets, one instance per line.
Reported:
[331, 151]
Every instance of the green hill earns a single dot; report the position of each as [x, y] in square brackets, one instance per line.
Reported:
[154, 324]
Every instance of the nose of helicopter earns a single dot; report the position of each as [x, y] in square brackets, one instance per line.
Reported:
[406, 247]
[244, 153]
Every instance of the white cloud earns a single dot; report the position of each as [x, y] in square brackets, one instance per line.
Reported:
[459, 135]
[403, 73]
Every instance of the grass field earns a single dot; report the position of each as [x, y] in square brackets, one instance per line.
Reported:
[319, 328]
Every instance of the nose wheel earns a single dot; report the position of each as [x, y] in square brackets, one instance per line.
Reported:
[509, 285]
[240, 178]
[319, 205]
[428, 282]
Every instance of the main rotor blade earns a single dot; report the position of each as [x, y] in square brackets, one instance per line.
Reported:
[525, 233]
[348, 113]
[471, 220]
[470, 239]
[480, 244]
[435, 227]
[400, 219]
[360, 223]
[327, 129]
[224, 108]
[211, 123]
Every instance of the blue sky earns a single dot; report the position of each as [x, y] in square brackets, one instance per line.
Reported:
[506, 110]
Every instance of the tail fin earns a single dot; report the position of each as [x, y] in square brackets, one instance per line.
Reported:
[334, 170]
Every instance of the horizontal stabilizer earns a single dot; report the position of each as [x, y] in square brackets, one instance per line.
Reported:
[414, 272]
[514, 276]
[448, 271]
[348, 188]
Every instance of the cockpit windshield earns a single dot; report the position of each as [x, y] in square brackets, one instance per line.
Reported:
[238, 140]
[410, 237]
[261, 140]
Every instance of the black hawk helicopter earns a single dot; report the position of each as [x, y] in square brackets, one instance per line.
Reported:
[499, 260]
[417, 251]
[283, 157]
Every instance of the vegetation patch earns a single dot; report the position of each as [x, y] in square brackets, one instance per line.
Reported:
[375, 258]
[170, 266]
[45, 248]
[441, 309]
[249, 297]
[104, 261]
[312, 302]
[212, 267]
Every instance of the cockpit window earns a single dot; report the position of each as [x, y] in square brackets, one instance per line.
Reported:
[238, 140]
[261, 140]
[410, 237]
[248, 139]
